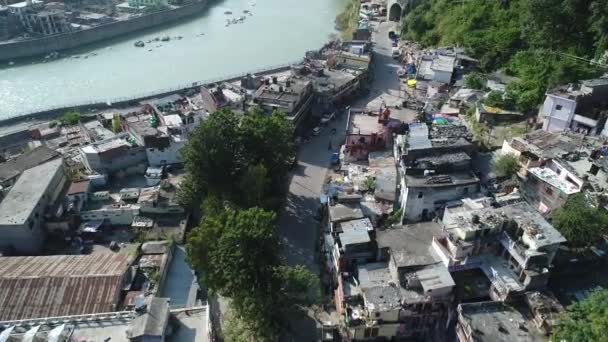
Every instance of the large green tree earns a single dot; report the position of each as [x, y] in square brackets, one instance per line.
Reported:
[586, 320]
[579, 222]
[506, 165]
[228, 153]
[236, 254]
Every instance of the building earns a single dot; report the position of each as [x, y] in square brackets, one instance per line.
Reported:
[41, 19]
[555, 166]
[495, 115]
[435, 168]
[23, 210]
[72, 285]
[152, 324]
[291, 95]
[365, 133]
[436, 68]
[498, 321]
[578, 107]
[405, 293]
[12, 169]
[513, 245]
[78, 195]
[113, 156]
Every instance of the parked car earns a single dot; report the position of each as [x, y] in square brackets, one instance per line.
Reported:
[317, 130]
[328, 117]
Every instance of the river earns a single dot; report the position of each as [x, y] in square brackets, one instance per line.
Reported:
[277, 32]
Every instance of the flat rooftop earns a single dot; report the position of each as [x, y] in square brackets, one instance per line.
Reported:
[27, 192]
[410, 244]
[61, 285]
[363, 124]
[497, 322]
[552, 178]
[345, 212]
[355, 231]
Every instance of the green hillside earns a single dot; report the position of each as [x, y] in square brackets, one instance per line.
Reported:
[539, 41]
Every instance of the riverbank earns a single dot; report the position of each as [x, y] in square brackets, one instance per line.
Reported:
[115, 69]
[41, 46]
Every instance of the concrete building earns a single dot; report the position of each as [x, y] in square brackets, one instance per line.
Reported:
[365, 133]
[291, 95]
[436, 68]
[41, 19]
[22, 212]
[115, 214]
[113, 156]
[579, 107]
[405, 294]
[435, 168]
[78, 195]
[555, 166]
[498, 321]
[495, 116]
[71, 284]
[513, 245]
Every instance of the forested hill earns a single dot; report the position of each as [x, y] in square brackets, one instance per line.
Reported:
[535, 40]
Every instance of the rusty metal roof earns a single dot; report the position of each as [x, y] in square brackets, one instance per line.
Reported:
[60, 285]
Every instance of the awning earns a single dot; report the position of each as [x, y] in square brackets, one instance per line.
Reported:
[6, 333]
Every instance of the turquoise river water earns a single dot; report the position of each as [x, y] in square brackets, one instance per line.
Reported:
[277, 32]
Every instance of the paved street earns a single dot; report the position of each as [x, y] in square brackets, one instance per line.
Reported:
[297, 227]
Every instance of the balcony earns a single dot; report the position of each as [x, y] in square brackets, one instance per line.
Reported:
[517, 251]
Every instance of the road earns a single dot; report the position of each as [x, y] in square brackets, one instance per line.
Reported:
[297, 226]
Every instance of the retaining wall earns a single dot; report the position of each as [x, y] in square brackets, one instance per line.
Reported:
[84, 107]
[45, 45]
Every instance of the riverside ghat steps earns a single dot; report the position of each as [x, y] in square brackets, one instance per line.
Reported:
[41, 46]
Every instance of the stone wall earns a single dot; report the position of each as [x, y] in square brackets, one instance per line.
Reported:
[71, 40]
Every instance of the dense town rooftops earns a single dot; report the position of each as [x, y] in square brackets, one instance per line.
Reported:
[363, 124]
[538, 232]
[25, 195]
[551, 177]
[72, 284]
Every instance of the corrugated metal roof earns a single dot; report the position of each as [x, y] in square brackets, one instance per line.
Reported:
[48, 286]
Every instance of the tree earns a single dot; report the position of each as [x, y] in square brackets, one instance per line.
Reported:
[70, 118]
[116, 123]
[475, 80]
[580, 223]
[506, 165]
[254, 185]
[586, 320]
[495, 98]
[221, 151]
[236, 252]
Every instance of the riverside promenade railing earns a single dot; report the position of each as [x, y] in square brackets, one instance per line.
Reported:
[99, 103]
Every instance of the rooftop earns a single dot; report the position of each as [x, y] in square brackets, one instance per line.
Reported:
[551, 177]
[27, 192]
[355, 231]
[79, 187]
[29, 159]
[547, 144]
[363, 124]
[71, 284]
[153, 322]
[345, 212]
[410, 244]
[497, 322]
[441, 180]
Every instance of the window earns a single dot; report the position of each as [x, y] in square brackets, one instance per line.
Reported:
[465, 191]
[420, 195]
[558, 107]
[375, 332]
